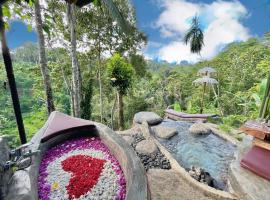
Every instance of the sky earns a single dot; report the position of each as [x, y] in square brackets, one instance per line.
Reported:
[165, 23]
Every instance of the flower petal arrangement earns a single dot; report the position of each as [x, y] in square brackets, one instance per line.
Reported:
[81, 168]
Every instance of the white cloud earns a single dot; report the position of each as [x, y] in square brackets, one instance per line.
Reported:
[221, 20]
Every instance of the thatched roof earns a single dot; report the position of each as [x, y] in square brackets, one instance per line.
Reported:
[206, 71]
[207, 80]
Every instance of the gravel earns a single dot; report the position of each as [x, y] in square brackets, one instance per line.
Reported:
[153, 161]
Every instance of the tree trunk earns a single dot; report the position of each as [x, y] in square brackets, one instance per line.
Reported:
[100, 93]
[11, 80]
[100, 84]
[68, 87]
[76, 81]
[112, 112]
[121, 111]
[42, 59]
[99, 75]
[202, 100]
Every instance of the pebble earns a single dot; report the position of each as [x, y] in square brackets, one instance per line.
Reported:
[156, 160]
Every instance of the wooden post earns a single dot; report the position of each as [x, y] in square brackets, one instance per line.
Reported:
[11, 80]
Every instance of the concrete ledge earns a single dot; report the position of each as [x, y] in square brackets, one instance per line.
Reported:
[246, 184]
[222, 134]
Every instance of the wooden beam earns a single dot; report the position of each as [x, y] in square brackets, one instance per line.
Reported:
[261, 143]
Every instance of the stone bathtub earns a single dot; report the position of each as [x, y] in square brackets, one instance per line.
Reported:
[61, 128]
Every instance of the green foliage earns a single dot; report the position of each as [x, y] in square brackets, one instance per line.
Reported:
[155, 85]
[120, 73]
[139, 64]
[177, 107]
[234, 120]
[134, 104]
[87, 93]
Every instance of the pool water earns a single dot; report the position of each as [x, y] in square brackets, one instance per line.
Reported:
[209, 152]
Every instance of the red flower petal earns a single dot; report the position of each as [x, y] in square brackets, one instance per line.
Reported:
[85, 173]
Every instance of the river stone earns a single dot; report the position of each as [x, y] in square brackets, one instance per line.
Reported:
[146, 147]
[128, 139]
[199, 129]
[165, 132]
[150, 117]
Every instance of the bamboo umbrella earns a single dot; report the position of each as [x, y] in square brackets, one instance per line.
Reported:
[206, 71]
[205, 80]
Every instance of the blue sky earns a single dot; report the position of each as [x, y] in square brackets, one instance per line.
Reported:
[166, 21]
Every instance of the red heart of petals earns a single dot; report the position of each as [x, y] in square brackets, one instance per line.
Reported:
[85, 173]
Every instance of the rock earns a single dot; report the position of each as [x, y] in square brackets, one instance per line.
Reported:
[151, 118]
[147, 147]
[4, 177]
[202, 176]
[128, 139]
[165, 132]
[199, 129]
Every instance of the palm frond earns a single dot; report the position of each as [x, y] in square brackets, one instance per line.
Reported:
[195, 36]
[188, 36]
[116, 14]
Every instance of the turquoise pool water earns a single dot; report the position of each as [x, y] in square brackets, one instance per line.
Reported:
[209, 152]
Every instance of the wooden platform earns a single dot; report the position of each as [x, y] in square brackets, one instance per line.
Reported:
[256, 129]
[261, 143]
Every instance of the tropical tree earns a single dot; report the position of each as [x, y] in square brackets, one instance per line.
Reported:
[120, 74]
[71, 15]
[76, 79]
[195, 36]
[106, 38]
[42, 59]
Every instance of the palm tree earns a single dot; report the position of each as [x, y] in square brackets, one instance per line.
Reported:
[195, 36]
